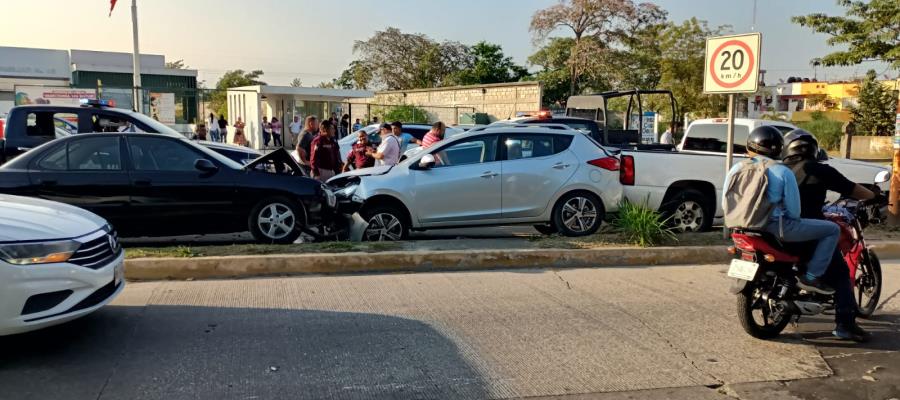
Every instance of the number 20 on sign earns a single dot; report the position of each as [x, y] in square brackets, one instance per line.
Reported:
[732, 64]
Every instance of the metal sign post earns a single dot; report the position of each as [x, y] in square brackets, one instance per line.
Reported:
[732, 66]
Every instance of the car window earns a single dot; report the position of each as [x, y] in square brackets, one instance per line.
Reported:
[712, 137]
[473, 151]
[95, 154]
[54, 160]
[112, 123]
[517, 147]
[49, 123]
[158, 154]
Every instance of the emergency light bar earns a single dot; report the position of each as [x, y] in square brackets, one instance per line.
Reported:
[97, 103]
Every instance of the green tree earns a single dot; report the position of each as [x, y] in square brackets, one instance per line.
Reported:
[869, 31]
[595, 24]
[395, 60]
[232, 79]
[555, 74]
[296, 82]
[681, 66]
[489, 65]
[874, 115]
[177, 64]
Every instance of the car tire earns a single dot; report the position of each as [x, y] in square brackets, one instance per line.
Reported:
[385, 223]
[689, 211]
[546, 229]
[578, 214]
[277, 220]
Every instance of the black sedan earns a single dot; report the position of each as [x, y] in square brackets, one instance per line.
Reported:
[161, 185]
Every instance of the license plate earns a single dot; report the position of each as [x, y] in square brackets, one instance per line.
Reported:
[119, 274]
[741, 269]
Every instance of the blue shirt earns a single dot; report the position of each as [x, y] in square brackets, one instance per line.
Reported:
[405, 138]
[782, 191]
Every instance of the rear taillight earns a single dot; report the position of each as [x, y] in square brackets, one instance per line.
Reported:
[626, 172]
[2, 132]
[607, 163]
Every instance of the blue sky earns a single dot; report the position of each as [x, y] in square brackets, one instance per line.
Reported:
[314, 39]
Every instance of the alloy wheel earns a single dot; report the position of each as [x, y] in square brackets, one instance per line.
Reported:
[276, 221]
[579, 214]
[384, 227]
[688, 217]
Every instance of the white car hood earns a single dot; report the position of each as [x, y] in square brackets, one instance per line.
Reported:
[857, 171]
[378, 170]
[25, 218]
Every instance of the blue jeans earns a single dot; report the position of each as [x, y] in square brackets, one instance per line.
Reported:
[214, 134]
[825, 233]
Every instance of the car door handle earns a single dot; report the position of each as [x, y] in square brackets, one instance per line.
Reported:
[561, 165]
[489, 174]
[142, 182]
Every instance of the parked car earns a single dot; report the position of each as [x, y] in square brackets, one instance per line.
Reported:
[416, 130]
[555, 178]
[30, 126]
[57, 263]
[161, 185]
[686, 184]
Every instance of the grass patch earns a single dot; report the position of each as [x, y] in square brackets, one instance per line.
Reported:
[640, 225]
[259, 249]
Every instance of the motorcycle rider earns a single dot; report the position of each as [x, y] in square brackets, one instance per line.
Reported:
[815, 179]
[765, 143]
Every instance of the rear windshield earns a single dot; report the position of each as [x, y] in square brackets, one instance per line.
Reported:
[713, 137]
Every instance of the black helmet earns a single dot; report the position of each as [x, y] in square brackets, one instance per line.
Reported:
[766, 140]
[799, 142]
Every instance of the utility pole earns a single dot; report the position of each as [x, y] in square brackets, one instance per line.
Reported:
[138, 95]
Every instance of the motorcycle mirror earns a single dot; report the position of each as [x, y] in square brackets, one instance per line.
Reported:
[882, 176]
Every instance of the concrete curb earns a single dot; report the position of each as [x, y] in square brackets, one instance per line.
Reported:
[425, 261]
[417, 261]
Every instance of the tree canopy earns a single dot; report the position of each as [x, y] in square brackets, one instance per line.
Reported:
[870, 31]
[397, 60]
[877, 107]
[232, 79]
[488, 65]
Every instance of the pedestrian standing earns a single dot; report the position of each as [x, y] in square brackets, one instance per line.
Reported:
[223, 128]
[359, 156]
[200, 133]
[304, 145]
[405, 138]
[239, 138]
[345, 126]
[325, 156]
[436, 134]
[276, 132]
[357, 125]
[667, 137]
[375, 120]
[296, 127]
[388, 152]
[213, 127]
[266, 131]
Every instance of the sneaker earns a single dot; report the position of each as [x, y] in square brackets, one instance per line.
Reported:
[858, 330]
[847, 332]
[814, 285]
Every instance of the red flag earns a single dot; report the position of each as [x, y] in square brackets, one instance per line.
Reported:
[112, 4]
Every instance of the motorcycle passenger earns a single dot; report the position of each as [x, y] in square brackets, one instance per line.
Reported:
[815, 179]
[765, 144]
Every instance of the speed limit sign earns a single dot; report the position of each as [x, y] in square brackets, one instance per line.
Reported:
[732, 64]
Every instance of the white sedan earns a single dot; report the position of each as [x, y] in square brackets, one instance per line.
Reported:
[57, 263]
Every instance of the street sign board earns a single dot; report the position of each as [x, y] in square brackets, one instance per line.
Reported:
[732, 64]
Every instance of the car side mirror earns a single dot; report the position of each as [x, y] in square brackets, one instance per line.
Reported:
[204, 165]
[426, 162]
[882, 177]
[822, 155]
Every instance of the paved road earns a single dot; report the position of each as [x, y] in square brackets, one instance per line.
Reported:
[611, 333]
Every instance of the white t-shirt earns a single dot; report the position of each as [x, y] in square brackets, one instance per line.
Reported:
[390, 149]
[666, 138]
[296, 127]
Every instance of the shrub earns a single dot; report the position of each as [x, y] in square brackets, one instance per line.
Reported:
[642, 226]
[406, 113]
[826, 131]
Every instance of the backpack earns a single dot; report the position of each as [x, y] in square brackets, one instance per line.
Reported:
[745, 199]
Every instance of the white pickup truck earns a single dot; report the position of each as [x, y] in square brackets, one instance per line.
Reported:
[686, 184]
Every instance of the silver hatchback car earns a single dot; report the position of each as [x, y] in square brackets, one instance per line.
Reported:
[551, 176]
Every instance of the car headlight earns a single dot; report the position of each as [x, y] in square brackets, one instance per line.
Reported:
[348, 191]
[38, 253]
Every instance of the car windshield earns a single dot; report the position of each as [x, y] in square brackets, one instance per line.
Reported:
[213, 154]
[155, 125]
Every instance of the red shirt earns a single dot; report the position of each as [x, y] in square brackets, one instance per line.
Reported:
[324, 155]
[430, 139]
[358, 157]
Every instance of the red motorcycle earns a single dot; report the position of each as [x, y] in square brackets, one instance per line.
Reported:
[765, 272]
